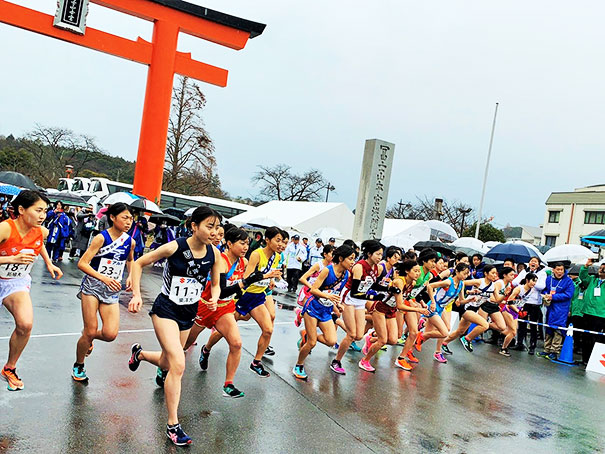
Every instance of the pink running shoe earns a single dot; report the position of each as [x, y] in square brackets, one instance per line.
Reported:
[439, 357]
[421, 323]
[367, 343]
[298, 317]
[365, 365]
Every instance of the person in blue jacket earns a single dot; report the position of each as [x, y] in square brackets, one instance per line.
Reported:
[60, 228]
[557, 297]
[476, 267]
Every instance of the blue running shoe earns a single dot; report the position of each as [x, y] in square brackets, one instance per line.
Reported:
[177, 435]
[204, 358]
[299, 372]
[355, 347]
[78, 373]
[160, 377]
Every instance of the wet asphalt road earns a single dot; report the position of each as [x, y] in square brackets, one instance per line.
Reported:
[479, 402]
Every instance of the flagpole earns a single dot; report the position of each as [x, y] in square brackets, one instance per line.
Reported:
[489, 155]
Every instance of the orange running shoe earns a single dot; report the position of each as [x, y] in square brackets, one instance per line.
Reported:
[11, 377]
[403, 364]
[419, 341]
[411, 358]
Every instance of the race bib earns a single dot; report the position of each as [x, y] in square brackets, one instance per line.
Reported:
[185, 290]
[263, 283]
[366, 285]
[113, 269]
[325, 301]
[15, 270]
[414, 293]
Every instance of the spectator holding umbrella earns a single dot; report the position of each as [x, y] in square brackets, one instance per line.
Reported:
[557, 293]
[594, 307]
[85, 225]
[59, 231]
[138, 232]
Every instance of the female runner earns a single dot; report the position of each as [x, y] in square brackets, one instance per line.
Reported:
[233, 264]
[189, 262]
[317, 311]
[309, 278]
[363, 276]
[514, 304]
[21, 241]
[103, 263]
[482, 293]
[447, 292]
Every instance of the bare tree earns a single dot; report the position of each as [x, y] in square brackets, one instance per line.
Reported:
[190, 161]
[52, 148]
[281, 183]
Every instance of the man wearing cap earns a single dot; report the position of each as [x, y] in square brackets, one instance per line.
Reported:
[332, 242]
[315, 252]
[295, 254]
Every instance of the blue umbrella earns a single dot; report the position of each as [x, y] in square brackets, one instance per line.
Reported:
[9, 189]
[597, 237]
[519, 252]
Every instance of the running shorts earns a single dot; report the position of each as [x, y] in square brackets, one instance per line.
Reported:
[510, 311]
[206, 318]
[249, 301]
[317, 310]
[358, 304]
[94, 287]
[388, 311]
[183, 315]
[490, 307]
[18, 284]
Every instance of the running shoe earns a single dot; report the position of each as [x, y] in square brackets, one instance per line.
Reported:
[543, 355]
[177, 435]
[78, 373]
[468, 346]
[401, 341]
[439, 357]
[365, 365]
[403, 364]
[418, 343]
[445, 349]
[303, 339]
[411, 358]
[383, 348]
[11, 377]
[531, 351]
[504, 352]
[90, 349]
[355, 347]
[259, 369]
[160, 377]
[269, 351]
[204, 358]
[134, 361]
[367, 343]
[232, 391]
[421, 323]
[552, 356]
[299, 372]
[335, 346]
[337, 367]
[297, 317]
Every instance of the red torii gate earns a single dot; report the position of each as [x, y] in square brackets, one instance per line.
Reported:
[170, 17]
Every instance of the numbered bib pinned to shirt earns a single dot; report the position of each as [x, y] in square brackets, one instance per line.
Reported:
[366, 285]
[15, 270]
[113, 269]
[185, 290]
[325, 301]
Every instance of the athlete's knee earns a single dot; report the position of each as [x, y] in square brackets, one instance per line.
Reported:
[24, 327]
[109, 335]
[268, 330]
[176, 366]
[311, 343]
[235, 345]
[392, 340]
[412, 334]
[330, 340]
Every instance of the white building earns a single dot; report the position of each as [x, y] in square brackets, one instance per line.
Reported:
[572, 215]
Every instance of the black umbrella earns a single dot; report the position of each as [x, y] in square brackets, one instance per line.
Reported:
[178, 212]
[17, 179]
[435, 245]
[167, 218]
[597, 238]
[69, 199]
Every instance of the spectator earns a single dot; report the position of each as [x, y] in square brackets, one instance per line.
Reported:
[532, 310]
[520, 267]
[594, 308]
[138, 232]
[59, 231]
[295, 255]
[85, 225]
[315, 253]
[332, 242]
[476, 267]
[576, 311]
[256, 243]
[558, 292]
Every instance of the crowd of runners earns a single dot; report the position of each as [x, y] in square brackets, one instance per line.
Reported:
[377, 296]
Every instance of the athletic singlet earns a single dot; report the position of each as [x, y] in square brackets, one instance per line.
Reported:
[421, 282]
[184, 275]
[444, 297]
[485, 293]
[332, 284]
[522, 297]
[112, 256]
[33, 242]
[264, 265]
[234, 276]
[390, 299]
[369, 275]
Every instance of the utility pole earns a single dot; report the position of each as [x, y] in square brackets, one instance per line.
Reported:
[401, 205]
[329, 188]
[489, 155]
[463, 213]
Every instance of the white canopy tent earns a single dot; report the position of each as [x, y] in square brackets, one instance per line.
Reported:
[441, 231]
[304, 217]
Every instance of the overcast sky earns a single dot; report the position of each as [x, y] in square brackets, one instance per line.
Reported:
[325, 76]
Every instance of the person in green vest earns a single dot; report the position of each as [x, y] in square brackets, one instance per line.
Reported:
[594, 308]
[576, 310]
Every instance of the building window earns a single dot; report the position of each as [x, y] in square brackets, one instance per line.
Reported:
[550, 240]
[553, 217]
[594, 217]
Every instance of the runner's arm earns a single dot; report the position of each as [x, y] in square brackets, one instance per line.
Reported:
[303, 279]
[497, 297]
[84, 262]
[320, 280]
